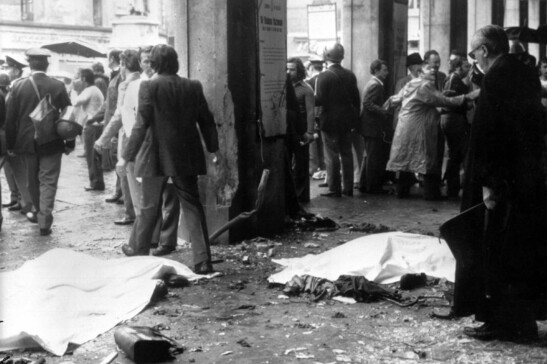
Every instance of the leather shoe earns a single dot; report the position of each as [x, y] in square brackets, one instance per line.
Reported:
[124, 221]
[15, 207]
[31, 216]
[89, 188]
[162, 250]
[129, 251]
[323, 185]
[331, 194]
[120, 201]
[113, 199]
[10, 204]
[348, 193]
[45, 232]
[205, 267]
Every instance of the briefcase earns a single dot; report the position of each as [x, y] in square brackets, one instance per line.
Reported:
[462, 232]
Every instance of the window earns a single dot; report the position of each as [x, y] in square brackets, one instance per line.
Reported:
[27, 10]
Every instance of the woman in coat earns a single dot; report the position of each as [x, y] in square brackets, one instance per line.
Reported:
[415, 143]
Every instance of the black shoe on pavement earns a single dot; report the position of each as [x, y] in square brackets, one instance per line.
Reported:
[163, 250]
[15, 207]
[113, 199]
[45, 232]
[205, 267]
[31, 216]
[120, 201]
[323, 185]
[89, 188]
[10, 204]
[124, 221]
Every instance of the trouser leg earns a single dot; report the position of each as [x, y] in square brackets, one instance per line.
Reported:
[33, 182]
[188, 194]
[301, 176]
[358, 149]
[168, 221]
[346, 156]
[152, 188]
[93, 159]
[332, 159]
[20, 170]
[127, 200]
[135, 188]
[15, 195]
[49, 170]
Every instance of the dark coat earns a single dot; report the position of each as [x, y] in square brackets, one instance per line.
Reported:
[21, 101]
[505, 154]
[165, 140]
[338, 96]
[375, 120]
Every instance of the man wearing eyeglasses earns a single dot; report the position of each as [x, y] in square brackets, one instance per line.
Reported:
[504, 170]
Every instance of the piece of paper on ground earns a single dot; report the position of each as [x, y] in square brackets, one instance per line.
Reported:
[67, 297]
[381, 258]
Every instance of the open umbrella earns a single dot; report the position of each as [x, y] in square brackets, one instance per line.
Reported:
[76, 47]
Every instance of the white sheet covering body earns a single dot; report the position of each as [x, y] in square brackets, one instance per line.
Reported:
[381, 258]
[67, 297]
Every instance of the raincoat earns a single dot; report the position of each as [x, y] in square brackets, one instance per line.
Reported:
[414, 147]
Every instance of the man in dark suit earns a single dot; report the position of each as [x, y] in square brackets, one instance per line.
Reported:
[43, 161]
[377, 129]
[165, 143]
[504, 170]
[14, 167]
[337, 95]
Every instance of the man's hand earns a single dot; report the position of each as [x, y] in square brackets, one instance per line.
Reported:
[11, 153]
[473, 95]
[98, 147]
[120, 166]
[488, 198]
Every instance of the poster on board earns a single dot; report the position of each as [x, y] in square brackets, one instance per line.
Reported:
[272, 35]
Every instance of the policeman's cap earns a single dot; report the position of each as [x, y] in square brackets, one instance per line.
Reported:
[15, 61]
[38, 52]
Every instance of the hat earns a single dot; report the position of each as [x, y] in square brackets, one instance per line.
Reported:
[38, 52]
[15, 61]
[413, 58]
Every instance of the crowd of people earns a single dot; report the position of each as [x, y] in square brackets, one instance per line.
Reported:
[145, 121]
[157, 155]
[371, 142]
[492, 118]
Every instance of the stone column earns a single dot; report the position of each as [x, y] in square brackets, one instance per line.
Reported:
[479, 14]
[435, 29]
[533, 22]
[360, 36]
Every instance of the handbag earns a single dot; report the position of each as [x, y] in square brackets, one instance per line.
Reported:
[44, 118]
[145, 344]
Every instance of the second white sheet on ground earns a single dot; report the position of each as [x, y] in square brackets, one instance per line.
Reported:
[381, 258]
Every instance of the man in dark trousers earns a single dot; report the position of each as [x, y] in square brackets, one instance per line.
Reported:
[377, 129]
[14, 168]
[504, 170]
[337, 95]
[43, 161]
[165, 143]
[454, 122]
